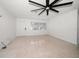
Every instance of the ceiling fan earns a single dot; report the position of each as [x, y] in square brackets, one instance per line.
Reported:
[49, 6]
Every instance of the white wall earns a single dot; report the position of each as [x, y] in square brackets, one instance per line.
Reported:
[78, 27]
[7, 27]
[64, 26]
[22, 23]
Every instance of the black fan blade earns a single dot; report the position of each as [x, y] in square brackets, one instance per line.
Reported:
[54, 10]
[37, 9]
[42, 11]
[63, 4]
[47, 3]
[37, 3]
[55, 1]
[47, 11]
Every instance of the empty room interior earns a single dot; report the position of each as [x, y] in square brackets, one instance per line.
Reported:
[39, 29]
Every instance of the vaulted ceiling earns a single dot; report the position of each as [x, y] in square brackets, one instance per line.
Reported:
[22, 8]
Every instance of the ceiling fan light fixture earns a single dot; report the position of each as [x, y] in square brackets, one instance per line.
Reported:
[49, 7]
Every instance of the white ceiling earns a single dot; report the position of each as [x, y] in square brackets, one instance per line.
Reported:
[22, 8]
